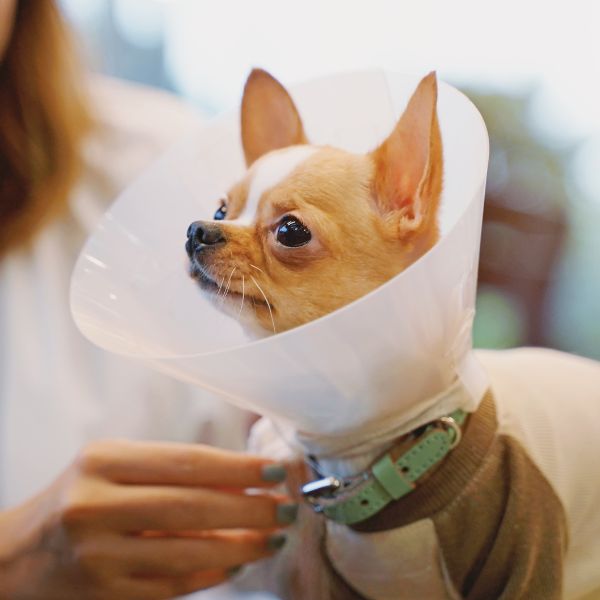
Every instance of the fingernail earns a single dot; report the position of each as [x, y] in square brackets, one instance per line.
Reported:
[234, 571]
[287, 513]
[275, 473]
[276, 541]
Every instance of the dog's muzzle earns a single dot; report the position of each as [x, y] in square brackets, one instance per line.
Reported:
[202, 235]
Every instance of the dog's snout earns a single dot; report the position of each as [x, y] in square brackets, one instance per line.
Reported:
[200, 234]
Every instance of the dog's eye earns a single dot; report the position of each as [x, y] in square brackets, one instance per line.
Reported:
[221, 212]
[292, 233]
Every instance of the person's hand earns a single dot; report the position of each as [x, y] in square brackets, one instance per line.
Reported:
[142, 520]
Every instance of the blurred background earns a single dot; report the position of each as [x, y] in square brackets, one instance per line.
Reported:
[532, 68]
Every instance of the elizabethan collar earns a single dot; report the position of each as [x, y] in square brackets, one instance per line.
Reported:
[388, 353]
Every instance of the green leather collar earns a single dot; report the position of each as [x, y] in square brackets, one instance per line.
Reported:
[353, 499]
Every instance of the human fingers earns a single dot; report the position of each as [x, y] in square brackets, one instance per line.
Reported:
[176, 557]
[163, 463]
[133, 509]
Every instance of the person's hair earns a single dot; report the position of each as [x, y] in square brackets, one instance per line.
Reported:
[43, 117]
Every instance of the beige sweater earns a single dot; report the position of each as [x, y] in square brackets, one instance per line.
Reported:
[513, 512]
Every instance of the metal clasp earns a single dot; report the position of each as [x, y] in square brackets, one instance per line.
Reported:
[320, 487]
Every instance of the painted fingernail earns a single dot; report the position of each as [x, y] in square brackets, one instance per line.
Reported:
[275, 473]
[287, 513]
[234, 571]
[276, 541]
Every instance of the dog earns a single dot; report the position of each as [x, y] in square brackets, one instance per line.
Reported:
[510, 511]
[304, 216]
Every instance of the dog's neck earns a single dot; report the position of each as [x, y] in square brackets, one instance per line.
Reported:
[350, 453]
[346, 466]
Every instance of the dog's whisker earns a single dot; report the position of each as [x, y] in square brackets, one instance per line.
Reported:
[221, 286]
[243, 294]
[228, 284]
[266, 300]
[255, 267]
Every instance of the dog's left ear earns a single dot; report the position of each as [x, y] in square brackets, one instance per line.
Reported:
[270, 119]
[408, 165]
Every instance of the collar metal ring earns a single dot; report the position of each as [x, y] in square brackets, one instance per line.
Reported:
[448, 423]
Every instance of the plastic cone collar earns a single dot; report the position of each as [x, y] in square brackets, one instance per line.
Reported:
[388, 353]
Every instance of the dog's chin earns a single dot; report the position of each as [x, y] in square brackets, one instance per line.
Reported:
[248, 310]
[204, 281]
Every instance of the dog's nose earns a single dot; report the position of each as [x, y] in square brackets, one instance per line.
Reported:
[201, 234]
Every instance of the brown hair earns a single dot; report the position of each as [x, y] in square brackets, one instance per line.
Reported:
[43, 118]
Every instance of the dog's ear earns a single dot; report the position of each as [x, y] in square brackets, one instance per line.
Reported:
[408, 165]
[270, 119]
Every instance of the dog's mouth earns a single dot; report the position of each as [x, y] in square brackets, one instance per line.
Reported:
[223, 289]
[199, 273]
[204, 281]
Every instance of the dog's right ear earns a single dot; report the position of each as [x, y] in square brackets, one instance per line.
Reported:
[270, 119]
[409, 165]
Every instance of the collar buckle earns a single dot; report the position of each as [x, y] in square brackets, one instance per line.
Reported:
[321, 487]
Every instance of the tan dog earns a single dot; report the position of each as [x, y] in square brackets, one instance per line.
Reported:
[511, 512]
[307, 218]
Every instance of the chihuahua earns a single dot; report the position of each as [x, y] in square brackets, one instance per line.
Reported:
[309, 229]
[307, 218]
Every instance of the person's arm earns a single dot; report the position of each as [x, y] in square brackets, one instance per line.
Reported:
[141, 520]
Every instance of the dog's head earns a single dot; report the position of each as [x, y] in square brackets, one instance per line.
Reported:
[310, 228]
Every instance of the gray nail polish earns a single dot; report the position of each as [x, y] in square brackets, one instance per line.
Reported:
[276, 541]
[274, 473]
[287, 513]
